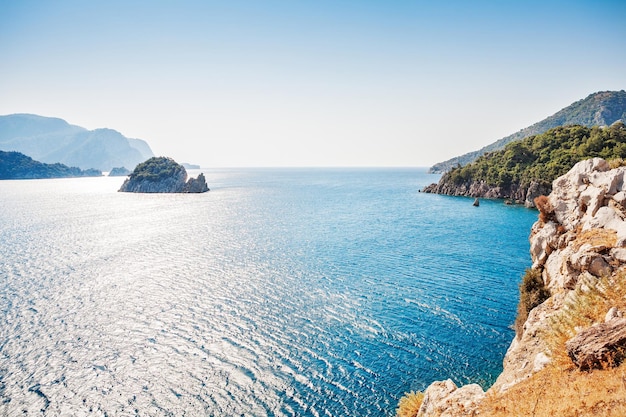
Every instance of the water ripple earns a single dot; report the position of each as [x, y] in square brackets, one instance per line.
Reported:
[279, 293]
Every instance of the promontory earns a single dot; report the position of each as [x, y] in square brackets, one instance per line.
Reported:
[163, 175]
[568, 357]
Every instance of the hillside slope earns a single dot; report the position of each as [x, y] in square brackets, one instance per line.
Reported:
[598, 109]
[525, 169]
[17, 166]
[54, 140]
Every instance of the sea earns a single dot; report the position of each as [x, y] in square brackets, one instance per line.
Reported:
[281, 292]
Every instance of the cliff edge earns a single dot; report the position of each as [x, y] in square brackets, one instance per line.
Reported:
[566, 358]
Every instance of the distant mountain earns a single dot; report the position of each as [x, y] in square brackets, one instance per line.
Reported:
[17, 166]
[599, 109]
[51, 140]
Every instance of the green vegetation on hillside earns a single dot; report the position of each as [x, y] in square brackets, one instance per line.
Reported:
[598, 109]
[542, 158]
[158, 168]
[15, 165]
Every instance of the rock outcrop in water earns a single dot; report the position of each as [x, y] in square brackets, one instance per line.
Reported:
[512, 192]
[162, 175]
[578, 241]
[119, 172]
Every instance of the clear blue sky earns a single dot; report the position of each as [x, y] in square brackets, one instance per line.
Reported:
[308, 83]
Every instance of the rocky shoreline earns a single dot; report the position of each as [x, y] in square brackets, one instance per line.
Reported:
[480, 189]
[579, 240]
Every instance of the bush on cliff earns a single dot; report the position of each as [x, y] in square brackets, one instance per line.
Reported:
[532, 293]
[410, 404]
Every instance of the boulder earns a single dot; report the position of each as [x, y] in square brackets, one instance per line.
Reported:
[196, 185]
[600, 346]
[444, 399]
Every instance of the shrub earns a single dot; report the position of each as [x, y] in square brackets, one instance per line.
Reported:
[532, 293]
[545, 208]
[616, 163]
[410, 404]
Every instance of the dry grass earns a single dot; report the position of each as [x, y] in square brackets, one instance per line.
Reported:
[561, 389]
[562, 393]
[588, 306]
[410, 404]
[596, 237]
[546, 210]
[616, 163]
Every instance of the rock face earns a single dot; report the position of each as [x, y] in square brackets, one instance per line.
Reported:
[162, 175]
[602, 345]
[445, 399]
[580, 237]
[521, 195]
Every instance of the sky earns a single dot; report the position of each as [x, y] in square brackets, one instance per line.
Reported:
[308, 83]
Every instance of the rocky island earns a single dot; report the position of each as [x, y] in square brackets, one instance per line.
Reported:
[162, 175]
[567, 356]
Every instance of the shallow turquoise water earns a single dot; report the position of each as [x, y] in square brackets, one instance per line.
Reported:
[281, 292]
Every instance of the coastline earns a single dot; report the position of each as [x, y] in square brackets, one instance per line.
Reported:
[578, 249]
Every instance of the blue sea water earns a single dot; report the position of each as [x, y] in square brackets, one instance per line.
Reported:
[281, 292]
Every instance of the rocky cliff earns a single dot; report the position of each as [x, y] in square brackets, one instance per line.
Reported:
[577, 246]
[162, 175]
[514, 192]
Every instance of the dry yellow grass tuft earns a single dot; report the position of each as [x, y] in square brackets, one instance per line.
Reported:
[616, 163]
[596, 237]
[410, 404]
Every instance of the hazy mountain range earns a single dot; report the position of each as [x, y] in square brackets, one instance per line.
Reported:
[52, 140]
[598, 109]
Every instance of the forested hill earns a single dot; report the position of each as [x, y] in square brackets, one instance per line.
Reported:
[15, 165]
[599, 109]
[525, 169]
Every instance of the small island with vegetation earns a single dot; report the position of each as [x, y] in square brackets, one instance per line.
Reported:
[17, 166]
[162, 175]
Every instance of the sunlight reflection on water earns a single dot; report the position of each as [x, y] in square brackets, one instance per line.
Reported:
[279, 292]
